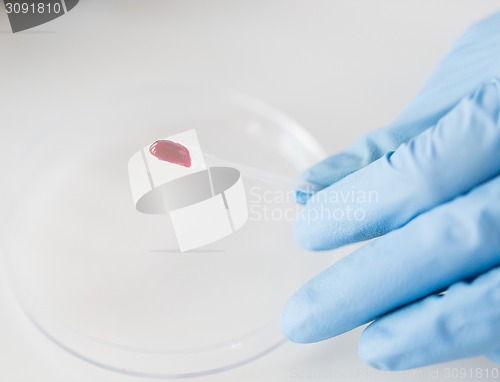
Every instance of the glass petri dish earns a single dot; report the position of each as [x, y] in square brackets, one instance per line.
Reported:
[109, 284]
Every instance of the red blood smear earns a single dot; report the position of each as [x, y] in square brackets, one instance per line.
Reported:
[172, 152]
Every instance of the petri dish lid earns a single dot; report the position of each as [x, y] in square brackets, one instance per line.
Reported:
[109, 283]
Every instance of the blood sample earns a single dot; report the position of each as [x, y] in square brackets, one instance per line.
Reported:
[172, 152]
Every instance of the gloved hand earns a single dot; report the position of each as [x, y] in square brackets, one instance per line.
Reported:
[429, 185]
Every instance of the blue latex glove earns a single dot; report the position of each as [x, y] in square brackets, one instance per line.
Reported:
[430, 186]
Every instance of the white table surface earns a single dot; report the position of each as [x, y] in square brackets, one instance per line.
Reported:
[338, 68]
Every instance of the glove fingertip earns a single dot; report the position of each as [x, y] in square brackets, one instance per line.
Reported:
[302, 197]
[306, 234]
[332, 169]
[294, 321]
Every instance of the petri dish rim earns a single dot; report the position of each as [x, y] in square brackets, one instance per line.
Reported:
[234, 353]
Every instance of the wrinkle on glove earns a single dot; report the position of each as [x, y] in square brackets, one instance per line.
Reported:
[460, 324]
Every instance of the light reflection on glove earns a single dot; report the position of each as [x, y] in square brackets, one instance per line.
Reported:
[430, 186]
